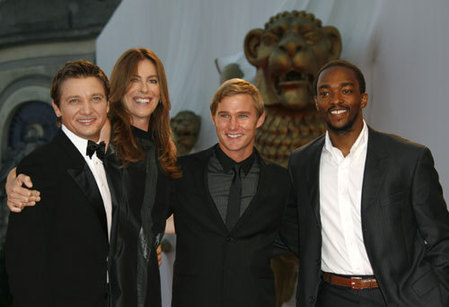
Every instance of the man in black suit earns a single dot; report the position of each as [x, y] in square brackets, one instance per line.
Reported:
[372, 224]
[56, 253]
[227, 208]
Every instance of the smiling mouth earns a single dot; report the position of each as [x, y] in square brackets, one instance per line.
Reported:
[234, 136]
[86, 121]
[142, 100]
[338, 111]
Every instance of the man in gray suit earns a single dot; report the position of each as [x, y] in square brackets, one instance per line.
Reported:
[372, 224]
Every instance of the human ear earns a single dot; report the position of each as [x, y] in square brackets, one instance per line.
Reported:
[56, 109]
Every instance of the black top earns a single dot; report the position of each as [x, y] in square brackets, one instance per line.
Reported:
[220, 176]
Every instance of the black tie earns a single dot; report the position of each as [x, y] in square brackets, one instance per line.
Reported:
[233, 212]
[94, 147]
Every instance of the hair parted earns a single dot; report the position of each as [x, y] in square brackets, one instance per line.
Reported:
[77, 69]
[159, 127]
[234, 87]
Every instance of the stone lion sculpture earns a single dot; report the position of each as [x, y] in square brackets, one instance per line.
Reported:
[186, 128]
[287, 53]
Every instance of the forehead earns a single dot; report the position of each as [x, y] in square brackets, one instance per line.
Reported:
[82, 86]
[337, 75]
[236, 103]
[145, 66]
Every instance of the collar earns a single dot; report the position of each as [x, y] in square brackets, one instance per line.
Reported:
[79, 142]
[359, 143]
[227, 163]
[140, 133]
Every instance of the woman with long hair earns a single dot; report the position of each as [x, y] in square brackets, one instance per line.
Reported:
[142, 149]
[141, 139]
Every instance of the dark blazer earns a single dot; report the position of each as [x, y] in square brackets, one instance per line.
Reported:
[215, 267]
[56, 252]
[138, 228]
[405, 221]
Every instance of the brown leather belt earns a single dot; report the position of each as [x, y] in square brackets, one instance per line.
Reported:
[356, 283]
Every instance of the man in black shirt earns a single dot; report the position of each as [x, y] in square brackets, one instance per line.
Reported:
[227, 208]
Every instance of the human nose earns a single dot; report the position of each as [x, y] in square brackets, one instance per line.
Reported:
[144, 87]
[233, 123]
[335, 98]
[86, 108]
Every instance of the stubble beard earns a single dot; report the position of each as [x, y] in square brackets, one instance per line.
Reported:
[344, 129]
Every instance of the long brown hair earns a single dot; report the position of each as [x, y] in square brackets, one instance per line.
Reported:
[124, 142]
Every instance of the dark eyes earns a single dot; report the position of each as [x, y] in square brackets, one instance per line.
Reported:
[344, 91]
[151, 81]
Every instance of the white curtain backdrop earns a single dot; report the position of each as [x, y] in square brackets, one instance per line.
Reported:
[401, 45]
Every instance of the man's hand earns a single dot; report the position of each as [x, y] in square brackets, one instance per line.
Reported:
[18, 196]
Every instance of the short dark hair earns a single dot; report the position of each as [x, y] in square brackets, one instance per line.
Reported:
[77, 69]
[342, 63]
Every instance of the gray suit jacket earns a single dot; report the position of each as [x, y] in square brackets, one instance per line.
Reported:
[405, 221]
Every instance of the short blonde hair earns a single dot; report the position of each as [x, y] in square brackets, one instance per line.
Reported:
[237, 86]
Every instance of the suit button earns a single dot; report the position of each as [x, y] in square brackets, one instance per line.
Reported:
[312, 299]
[229, 239]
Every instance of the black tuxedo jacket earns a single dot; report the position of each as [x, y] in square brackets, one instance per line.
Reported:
[405, 221]
[215, 267]
[56, 252]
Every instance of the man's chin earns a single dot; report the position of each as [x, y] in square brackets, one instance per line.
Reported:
[342, 129]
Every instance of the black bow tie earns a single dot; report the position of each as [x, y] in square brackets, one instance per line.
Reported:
[94, 147]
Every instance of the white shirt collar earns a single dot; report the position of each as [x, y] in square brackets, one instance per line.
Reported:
[361, 142]
[79, 142]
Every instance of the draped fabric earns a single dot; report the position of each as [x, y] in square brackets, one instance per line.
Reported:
[400, 45]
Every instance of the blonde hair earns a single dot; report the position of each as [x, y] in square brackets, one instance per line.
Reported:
[237, 86]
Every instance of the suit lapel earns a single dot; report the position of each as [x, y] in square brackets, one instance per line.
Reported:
[78, 169]
[212, 206]
[263, 185]
[114, 175]
[374, 173]
[312, 177]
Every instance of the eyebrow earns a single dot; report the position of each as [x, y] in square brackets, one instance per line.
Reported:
[326, 86]
[151, 76]
[78, 96]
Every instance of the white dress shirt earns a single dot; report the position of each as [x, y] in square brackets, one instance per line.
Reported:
[97, 169]
[341, 179]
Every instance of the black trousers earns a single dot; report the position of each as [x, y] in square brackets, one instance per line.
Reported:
[337, 296]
